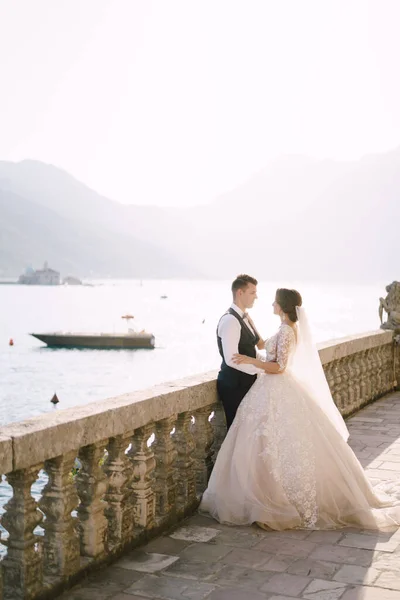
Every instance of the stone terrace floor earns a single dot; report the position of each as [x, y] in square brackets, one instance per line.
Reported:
[203, 559]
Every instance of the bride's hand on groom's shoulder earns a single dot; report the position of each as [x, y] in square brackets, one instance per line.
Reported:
[240, 359]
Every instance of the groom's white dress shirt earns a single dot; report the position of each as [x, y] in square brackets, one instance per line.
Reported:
[229, 330]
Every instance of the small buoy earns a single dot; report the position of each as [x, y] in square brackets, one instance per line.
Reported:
[11, 342]
[54, 399]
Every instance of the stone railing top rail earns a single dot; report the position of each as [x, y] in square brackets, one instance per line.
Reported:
[351, 344]
[30, 442]
[35, 440]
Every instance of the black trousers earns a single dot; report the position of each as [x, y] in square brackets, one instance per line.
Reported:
[231, 393]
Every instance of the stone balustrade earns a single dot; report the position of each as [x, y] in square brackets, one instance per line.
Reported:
[143, 461]
[360, 368]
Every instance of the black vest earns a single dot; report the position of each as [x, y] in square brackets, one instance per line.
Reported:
[247, 343]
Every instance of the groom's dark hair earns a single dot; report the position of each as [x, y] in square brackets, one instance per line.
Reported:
[242, 281]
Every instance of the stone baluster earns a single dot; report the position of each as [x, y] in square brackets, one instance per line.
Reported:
[387, 354]
[59, 499]
[204, 438]
[218, 423]
[352, 393]
[143, 463]
[383, 369]
[363, 376]
[392, 376]
[337, 381]
[397, 363]
[357, 378]
[186, 487]
[165, 471]
[368, 375]
[129, 512]
[374, 373]
[119, 497]
[164, 474]
[328, 370]
[394, 367]
[344, 384]
[22, 567]
[91, 484]
[330, 374]
[379, 382]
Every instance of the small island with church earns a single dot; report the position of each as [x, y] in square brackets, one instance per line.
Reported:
[46, 276]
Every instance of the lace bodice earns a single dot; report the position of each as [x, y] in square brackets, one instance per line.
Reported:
[280, 346]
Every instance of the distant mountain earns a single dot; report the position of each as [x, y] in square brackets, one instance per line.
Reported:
[296, 219]
[320, 219]
[31, 233]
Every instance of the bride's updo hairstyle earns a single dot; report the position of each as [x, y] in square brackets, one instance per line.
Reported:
[288, 300]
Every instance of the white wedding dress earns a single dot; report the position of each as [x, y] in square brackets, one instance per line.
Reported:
[285, 461]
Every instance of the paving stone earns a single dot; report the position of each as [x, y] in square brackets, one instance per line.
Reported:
[128, 597]
[297, 534]
[341, 554]
[358, 446]
[242, 577]
[166, 545]
[364, 419]
[195, 533]
[246, 558]
[312, 568]
[373, 452]
[121, 577]
[390, 466]
[283, 583]
[84, 593]
[392, 458]
[389, 579]
[289, 547]
[320, 589]
[239, 539]
[280, 564]
[281, 598]
[368, 542]
[199, 571]
[384, 535]
[392, 451]
[356, 575]
[381, 474]
[369, 463]
[369, 593]
[207, 521]
[146, 563]
[234, 594]
[326, 537]
[387, 562]
[169, 588]
[205, 552]
[371, 440]
[366, 453]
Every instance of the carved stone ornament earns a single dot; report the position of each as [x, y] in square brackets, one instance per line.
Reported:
[391, 304]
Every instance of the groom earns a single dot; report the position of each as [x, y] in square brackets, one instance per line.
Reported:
[236, 333]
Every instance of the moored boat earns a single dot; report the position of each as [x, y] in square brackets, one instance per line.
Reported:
[130, 340]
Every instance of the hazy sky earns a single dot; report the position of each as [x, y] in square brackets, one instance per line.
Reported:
[174, 102]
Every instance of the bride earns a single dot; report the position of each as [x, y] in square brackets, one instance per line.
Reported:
[285, 462]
